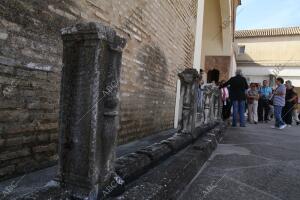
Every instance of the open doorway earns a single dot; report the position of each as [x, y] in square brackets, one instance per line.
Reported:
[213, 75]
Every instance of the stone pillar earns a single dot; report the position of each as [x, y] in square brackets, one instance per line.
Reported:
[188, 100]
[89, 108]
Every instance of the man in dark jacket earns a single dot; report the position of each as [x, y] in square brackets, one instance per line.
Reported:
[238, 86]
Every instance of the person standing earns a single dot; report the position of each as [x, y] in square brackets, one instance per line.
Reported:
[278, 99]
[264, 107]
[226, 109]
[252, 100]
[238, 86]
[295, 111]
[290, 102]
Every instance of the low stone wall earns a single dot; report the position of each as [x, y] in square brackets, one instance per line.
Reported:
[131, 166]
[170, 178]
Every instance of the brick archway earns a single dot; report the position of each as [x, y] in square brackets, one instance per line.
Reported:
[213, 76]
[219, 63]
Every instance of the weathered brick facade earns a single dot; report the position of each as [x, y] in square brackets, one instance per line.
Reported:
[160, 44]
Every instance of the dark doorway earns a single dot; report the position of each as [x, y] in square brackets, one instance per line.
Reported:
[213, 75]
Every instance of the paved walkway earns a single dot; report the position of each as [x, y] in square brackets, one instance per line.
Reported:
[253, 163]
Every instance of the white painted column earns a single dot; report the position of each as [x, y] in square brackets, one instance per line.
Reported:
[233, 66]
[177, 103]
[199, 33]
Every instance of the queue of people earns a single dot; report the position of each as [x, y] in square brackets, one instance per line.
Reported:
[261, 101]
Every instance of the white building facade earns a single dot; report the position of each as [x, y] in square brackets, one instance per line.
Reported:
[264, 54]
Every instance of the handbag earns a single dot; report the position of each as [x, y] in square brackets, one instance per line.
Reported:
[250, 101]
[271, 101]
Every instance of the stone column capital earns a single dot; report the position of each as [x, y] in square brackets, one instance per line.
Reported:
[188, 76]
[94, 31]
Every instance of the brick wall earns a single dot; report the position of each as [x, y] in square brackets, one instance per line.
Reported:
[160, 44]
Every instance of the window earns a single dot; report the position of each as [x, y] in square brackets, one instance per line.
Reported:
[242, 49]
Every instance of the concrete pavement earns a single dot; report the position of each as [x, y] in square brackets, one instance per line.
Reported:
[252, 163]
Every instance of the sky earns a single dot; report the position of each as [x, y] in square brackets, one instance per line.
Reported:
[257, 14]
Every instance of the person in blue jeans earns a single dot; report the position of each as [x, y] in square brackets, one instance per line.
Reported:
[279, 103]
[238, 86]
[263, 103]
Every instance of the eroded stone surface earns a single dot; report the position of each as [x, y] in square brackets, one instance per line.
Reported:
[188, 100]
